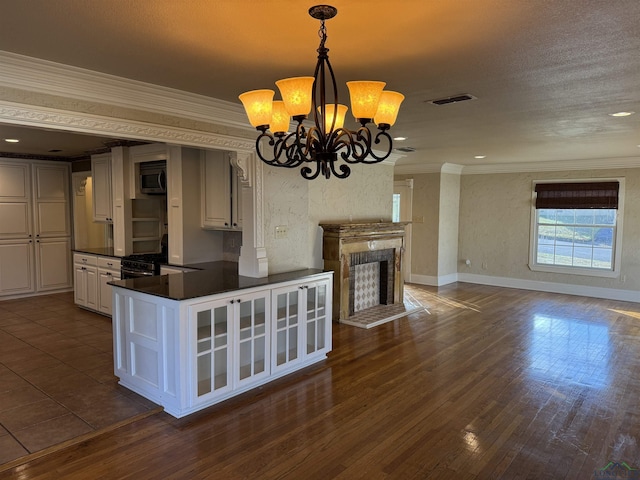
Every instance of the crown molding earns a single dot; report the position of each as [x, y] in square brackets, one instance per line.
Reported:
[523, 167]
[42, 117]
[42, 76]
[558, 166]
[417, 168]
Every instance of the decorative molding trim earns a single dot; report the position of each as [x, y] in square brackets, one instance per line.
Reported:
[41, 76]
[242, 162]
[416, 168]
[552, 287]
[391, 160]
[524, 167]
[43, 117]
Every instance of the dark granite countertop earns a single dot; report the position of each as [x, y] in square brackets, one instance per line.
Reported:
[219, 277]
[103, 251]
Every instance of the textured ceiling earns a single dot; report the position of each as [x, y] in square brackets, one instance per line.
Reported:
[546, 73]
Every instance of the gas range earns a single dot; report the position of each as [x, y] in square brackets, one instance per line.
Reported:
[141, 265]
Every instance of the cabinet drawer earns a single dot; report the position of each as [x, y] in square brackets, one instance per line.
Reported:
[83, 259]
[109, 263]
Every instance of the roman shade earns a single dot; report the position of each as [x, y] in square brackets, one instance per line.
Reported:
[577, 195]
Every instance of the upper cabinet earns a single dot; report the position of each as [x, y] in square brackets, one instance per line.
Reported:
[102, 196]
[220, 192]
[51, 200]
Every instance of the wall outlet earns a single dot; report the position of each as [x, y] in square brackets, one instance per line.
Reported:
[418, 219]
[484, 265]
[281, 231]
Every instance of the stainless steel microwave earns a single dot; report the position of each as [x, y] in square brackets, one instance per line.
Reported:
[153, 177]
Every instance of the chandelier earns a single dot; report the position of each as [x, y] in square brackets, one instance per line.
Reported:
[318, 148]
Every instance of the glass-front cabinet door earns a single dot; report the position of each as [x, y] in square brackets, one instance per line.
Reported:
[211, 338]
[317, 321]
[286, 334]
[252, 353]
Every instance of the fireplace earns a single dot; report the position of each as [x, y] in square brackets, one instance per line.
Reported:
[367, 261]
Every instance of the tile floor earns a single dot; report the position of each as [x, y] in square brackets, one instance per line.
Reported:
[56, 375]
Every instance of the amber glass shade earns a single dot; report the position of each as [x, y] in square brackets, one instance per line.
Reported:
[296, 94]
[279, 118]
[365, 96]
[388, 107]
[342, 111]
[258, 105]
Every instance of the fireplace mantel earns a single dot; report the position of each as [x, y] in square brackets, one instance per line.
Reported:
[341, 240]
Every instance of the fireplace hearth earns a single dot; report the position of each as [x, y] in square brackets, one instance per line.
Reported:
[352, 249]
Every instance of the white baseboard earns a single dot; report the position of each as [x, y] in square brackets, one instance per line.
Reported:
[536, 285]
[565, 288]
[434, 281]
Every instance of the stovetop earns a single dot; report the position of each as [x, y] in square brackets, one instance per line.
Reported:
[146, 257]
[144, 261]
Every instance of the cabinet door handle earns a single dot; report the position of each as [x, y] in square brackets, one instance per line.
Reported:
[110, 264]
[232, 301]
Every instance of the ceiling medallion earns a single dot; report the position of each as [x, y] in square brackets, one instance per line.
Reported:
[319, 148]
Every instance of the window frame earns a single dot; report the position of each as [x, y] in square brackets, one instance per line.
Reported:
[614, 272]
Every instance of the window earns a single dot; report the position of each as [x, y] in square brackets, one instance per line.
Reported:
[576, 227]
[395, 215]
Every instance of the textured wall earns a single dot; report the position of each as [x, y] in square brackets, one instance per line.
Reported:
[495, 219]
[366, 195]
[286, 203]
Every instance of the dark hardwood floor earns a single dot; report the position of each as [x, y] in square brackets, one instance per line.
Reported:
[493, 383]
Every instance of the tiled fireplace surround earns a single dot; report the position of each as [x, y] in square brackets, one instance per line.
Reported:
[346, 245]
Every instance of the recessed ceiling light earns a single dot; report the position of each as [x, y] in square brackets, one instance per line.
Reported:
[400, 139]
[480, 156]
[11, 140]
[621, 114]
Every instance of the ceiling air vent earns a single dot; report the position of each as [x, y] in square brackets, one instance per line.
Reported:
[405, 149]
[455, 99]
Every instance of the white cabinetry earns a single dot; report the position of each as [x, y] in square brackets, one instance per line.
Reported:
[187, 355]
[91, 274]
[53, 257]
[102, 195]
[34, 227]
[86, 280]
[220, 192]
[229, 344]
[17, 267]
[301, 327]
[108, 270]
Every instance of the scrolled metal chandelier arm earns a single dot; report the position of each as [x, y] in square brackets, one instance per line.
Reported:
[320, 148]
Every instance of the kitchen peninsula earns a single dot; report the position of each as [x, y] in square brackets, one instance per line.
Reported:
[189, 340]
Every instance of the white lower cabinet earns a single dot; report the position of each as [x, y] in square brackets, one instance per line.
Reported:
[16, 267]
[86, 285]
[209, 349]
[230, 339]
[301, 327]
[53, 257]
[108, 271]
[91, 275]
